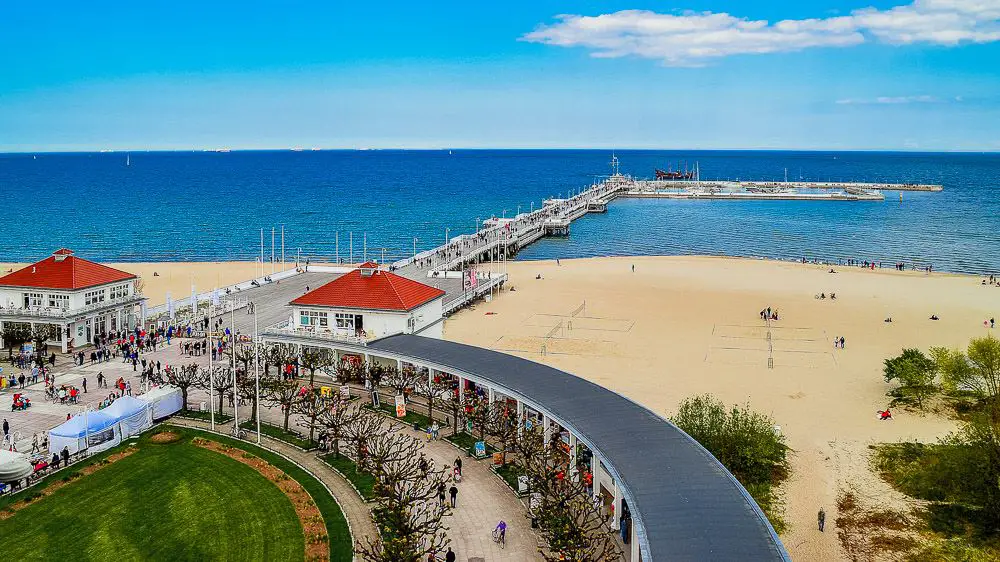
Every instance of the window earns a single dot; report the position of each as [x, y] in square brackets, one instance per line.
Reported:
[33, 300]
[119, 291]
[93, 297]
[345, 321]
[313, 318]
[59, 301]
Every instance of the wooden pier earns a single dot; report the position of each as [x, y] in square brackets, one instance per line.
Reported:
[501, 238]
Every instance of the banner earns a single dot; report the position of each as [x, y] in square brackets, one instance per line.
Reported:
[345, 392]
[400, 406]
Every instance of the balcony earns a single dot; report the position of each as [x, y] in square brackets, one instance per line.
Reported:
[53, 313]
[342, 336]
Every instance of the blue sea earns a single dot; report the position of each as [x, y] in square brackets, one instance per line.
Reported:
[190, 206]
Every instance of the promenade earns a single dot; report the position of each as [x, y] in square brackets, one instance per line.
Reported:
[483, 498]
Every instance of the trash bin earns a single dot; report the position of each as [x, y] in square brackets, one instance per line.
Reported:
[416, 426]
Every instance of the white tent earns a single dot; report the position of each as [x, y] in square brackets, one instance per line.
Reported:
[98, 427]
[14, 466]
[133, 416]
[164, 400]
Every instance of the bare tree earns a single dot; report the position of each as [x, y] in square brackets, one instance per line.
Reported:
[314, 359]
[363, 426]
[574, 526]
[435, 391]
[503, 426]
[310, 405]
[478, 411]
[277, 391]
[400, 380]
[221, 382]
[335, 419]
[184, 377]
[406, 489]
[455, 405]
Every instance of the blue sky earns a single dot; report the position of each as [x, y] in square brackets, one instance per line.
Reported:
[919, 75]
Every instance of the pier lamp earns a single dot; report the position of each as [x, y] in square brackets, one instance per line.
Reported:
[446, 231]
[414, 247]
[518, 210]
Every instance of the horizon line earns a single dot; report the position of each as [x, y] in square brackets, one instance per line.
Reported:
[223, 150]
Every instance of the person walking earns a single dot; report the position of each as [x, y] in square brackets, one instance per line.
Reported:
[6, 428]
[458, 466]
[84, 383]
[449, 556]
[821, 519]
[441, 494]
[34, 444]
[453, 492]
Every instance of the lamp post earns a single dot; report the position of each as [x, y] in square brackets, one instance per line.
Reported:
[211, 375]
[446, 231]
[256, 368]
[414, 247]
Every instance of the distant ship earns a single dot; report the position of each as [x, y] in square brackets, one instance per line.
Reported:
[669, 174]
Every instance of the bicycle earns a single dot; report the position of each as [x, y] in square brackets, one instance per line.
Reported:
[500, 534]
[238, 432]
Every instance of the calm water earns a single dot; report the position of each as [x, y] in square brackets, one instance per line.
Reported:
[208, 206]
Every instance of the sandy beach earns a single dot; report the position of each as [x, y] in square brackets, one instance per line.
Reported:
[177, 277]
[680, 326]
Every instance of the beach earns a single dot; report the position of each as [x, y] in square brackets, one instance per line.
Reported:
[177, 277]
[682, 326]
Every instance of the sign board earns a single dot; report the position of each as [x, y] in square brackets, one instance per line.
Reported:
[400, 406]
[528, 424]
[522, 484]
[28, 348]
[325, 391]
[345, 392]
[498, 459]
[480, 448]
[375, 401]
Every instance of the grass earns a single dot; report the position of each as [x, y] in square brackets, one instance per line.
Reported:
[276, 432]
[204, 416]
[468, 443]
[363, 481]
[172, 501]
[164, 502]
[410, 418]
[509, 472]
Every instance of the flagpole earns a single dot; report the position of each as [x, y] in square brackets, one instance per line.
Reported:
[256, 368]
[232, 352]
[211, 376]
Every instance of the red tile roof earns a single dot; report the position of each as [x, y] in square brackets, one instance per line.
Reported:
[63, 270]
[382, 290]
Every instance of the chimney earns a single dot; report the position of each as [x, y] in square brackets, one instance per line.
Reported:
[32, 269]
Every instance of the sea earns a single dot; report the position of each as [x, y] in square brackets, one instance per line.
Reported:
[381, 204]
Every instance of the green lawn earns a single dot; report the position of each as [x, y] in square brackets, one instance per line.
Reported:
[172, 502]
[290, 437]
[363, 481]
[204, 416]
[164, 502]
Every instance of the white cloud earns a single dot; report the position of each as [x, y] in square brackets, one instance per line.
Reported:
[893, 100]
[694, 38]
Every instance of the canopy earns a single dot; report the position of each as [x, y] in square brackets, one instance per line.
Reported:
[124, 407]
[80, 424]
[164, 400]
[14, 466]
[133, 415]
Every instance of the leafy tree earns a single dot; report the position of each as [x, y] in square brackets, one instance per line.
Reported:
[915, 373]
[977, 370]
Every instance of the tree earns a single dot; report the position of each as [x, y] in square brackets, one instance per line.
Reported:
[435, 390]
[281, 392]
[221, 382]
[314, 359]
[275, 354]
[15, 334]
[915, 373]
[184, 378]
[502, 425]
[976, 371]
[310, 405]
[247, 389]
[408, 510]
[574, 527]
[455, 406]
[365, 424]
[400, 380]
[335, 419]
[478, 411]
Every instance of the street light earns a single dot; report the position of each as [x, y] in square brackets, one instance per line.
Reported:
[446, 231]
[414, 247]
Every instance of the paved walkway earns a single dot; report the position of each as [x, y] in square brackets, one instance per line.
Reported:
[483, 499]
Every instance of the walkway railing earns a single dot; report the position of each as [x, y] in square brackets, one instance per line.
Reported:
[62, 314]
[286, 328]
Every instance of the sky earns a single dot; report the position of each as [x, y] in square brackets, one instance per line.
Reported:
[692, 74]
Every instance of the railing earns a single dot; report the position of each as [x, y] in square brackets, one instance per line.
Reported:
[285, 329]
[60, 313]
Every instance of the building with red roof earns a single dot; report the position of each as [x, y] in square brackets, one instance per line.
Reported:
[368, 303]
[74, 298]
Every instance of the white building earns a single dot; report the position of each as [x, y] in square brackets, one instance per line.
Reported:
[369, 303]
[76, 297]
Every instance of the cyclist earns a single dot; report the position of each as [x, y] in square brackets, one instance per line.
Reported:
[500, 533]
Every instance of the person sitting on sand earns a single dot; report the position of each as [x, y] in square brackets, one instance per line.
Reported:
[888, 319]
[822, 295]
[833, 296]
[832, 271]
[934, 317]
[885, 415]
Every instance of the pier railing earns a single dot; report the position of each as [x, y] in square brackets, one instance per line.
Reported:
[63, 314]
[287, 328]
